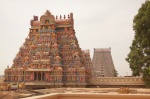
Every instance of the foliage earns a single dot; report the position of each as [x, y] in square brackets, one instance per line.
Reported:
[146, 76]
[115, 73]
[139, 56]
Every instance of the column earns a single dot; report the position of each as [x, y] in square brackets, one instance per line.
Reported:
[41, 75]
[33, 76]
[37, 76]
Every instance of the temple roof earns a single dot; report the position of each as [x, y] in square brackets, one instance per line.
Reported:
[102, 49]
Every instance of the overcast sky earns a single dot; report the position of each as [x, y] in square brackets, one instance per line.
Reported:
[98, 24]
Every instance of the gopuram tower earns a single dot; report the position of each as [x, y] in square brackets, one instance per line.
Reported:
[50, 55]
[103, 63]
[88, 65]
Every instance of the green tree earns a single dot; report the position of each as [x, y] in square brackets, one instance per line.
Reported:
[139, 56]
[115, 73]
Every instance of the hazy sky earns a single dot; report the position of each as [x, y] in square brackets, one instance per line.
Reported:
[98, 24]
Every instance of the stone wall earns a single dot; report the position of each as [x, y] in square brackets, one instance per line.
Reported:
[117, 81]
[89, 96]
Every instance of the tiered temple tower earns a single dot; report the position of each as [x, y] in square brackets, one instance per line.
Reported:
[50, 55]
[103, 63]
[88, 65]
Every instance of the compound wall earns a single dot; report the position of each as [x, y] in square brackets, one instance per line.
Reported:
[117, 81]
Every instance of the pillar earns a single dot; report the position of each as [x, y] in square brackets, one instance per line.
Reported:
[41, 76]
[33, 76]
[37, 76]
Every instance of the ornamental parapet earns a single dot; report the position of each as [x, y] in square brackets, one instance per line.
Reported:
[38, 69]
[117, 81]
[75, 83]
[45, 31]
[43, 83]
[44, 61]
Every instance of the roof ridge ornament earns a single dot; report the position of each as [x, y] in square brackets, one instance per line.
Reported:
[47, 16]
[48, 13]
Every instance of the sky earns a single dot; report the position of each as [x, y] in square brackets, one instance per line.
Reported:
[98, 24]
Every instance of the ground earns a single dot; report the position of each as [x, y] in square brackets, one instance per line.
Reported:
[39, 92]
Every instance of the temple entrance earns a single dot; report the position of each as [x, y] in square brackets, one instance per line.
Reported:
[39, 76]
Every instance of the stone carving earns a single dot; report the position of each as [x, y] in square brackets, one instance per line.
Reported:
[35, 18]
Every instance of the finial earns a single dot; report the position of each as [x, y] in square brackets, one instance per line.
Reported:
[71, 15]
[64, 16]
[56, 17]
[35, 18]
[48, 13]
[60, 16]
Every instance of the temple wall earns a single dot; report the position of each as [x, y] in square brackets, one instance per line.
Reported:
[90, 96]
[117, 81]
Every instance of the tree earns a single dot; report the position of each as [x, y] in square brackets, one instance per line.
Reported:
[139, 56]
[115, 73]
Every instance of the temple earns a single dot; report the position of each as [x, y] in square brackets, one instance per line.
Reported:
[102, 62]
[50, 55]
[88, 65]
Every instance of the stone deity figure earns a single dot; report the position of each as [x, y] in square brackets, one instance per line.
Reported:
[47, 77]
[57, 58]
[35, 18]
